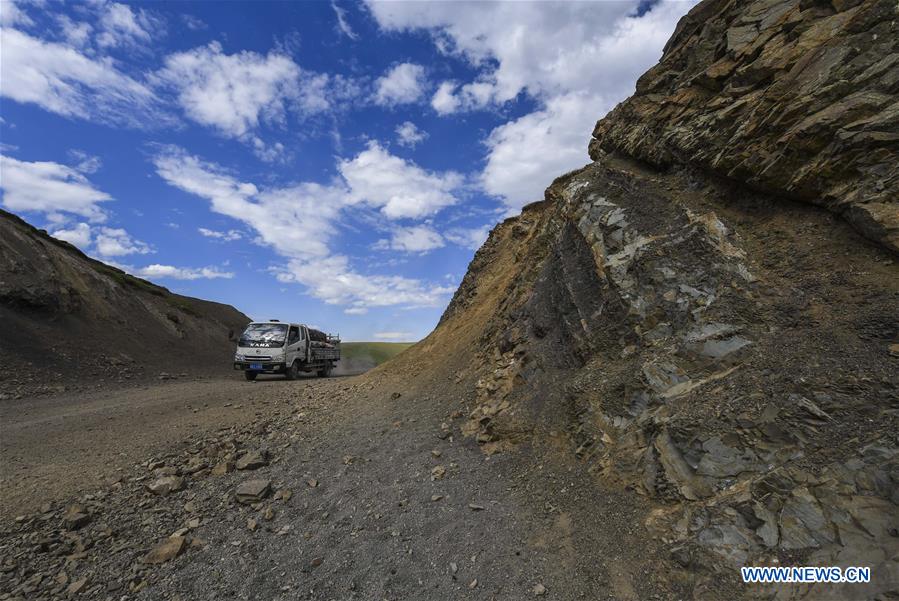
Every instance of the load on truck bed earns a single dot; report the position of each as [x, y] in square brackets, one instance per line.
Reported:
[274, 347]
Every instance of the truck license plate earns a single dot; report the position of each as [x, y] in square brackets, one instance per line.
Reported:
[255, 365]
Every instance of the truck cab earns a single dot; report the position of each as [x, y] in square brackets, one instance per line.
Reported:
[275, 347]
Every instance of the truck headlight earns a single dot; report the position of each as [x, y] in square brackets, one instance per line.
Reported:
[238, 357]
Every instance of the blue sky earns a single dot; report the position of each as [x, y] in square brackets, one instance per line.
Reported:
[326, 162]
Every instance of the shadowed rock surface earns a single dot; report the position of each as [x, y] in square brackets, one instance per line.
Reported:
[69, 320]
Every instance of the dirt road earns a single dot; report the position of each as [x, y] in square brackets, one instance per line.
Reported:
[387, 501]
[53, 447]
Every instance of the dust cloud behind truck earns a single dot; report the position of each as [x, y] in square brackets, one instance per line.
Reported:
[275, 347]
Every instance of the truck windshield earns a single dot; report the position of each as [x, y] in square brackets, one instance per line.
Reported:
[269, 335]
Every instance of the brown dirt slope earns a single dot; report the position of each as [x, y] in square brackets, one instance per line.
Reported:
[68, 319]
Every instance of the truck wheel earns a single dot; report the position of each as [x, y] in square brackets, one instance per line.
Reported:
[325, 373]
[250, 375]
[291, 372]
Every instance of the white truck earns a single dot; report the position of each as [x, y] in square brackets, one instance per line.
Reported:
[274, 347]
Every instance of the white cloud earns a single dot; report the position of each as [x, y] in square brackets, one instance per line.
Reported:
[298, 222]
[86, 163]
[544, 48]
[451, 98]
[525, 155]
[76, 33]
[569, 56]
[157, 271]
[332, 280]
[406, 336]
[46, 187]
[472, 238]
[228, 236]
[268, 153]
[79, 235]
[404, 83]
[116, 242]
[356, 311]
[274, 214]
[234, 93]
[342, 25]
[122, 27]
[400, 188]
[60, 79]
[416, 239]
[12, 14]
[193, 23]
[408, 134]
[444, 100]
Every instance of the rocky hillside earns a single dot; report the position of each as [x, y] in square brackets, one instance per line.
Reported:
[68, 320]
[796, 97]
[675, 316]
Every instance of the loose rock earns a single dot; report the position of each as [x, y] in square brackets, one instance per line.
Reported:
[253, 491]
[166, 550]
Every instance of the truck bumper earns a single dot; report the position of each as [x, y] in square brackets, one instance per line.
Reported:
[266, 367]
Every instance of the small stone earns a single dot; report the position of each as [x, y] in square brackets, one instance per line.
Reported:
[438, 472]
[453, 567]
[435, 498]
[223, 468]
[253, 491]
[435, 453]
[268, 514]
[312, 482]
[165, 551]
[316, 562]
[539, 590]
[75, 517]
[283, 495]
[165, 485]
[196, 465]
[475, 507]
[194, 523]
[473, 584]
[253, 460]
[77, 586]
[251, 525]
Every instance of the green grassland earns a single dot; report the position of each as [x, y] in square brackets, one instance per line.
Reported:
[357, 357]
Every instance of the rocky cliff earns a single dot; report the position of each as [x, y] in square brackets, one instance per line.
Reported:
[686, 316]
[796, 97]
[68, 320]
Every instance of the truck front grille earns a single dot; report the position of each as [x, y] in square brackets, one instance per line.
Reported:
[257, 358]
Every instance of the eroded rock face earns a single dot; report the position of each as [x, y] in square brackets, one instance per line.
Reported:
[692, 365]
[795, 97]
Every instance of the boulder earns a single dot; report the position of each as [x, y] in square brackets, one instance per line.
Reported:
[253, 491]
